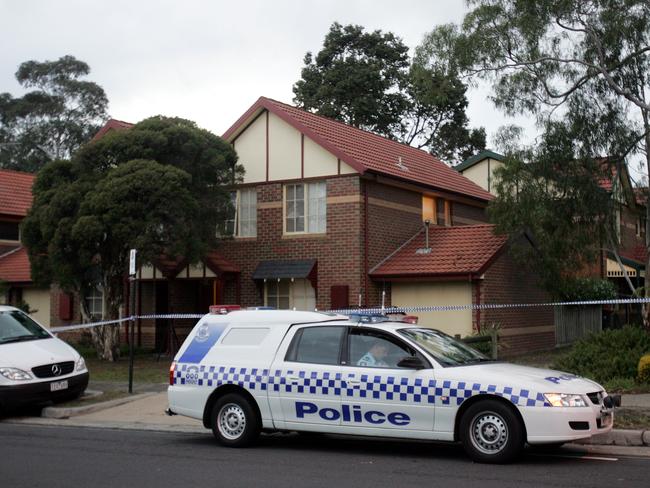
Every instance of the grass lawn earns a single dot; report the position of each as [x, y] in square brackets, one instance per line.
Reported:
[631, 418]
[146, 367]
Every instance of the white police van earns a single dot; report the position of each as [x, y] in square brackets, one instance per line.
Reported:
[304, 371]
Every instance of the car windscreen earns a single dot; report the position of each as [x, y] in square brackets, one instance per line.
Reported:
[16, 326]
[445, 349]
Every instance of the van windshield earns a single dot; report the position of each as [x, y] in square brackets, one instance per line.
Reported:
[444, 349]
[16, 326]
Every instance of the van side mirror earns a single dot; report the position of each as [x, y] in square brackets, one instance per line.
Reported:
[411, 362]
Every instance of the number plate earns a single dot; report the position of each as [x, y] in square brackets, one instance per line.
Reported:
[59, 385]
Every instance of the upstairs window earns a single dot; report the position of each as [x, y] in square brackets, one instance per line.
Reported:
[243, 219]
[436, 210]
[9, 231]
[305, 208]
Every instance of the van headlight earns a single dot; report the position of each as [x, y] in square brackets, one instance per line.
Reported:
[81, 364]
[565, 400]
[15, 374]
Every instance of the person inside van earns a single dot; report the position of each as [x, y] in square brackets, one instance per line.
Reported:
[375, 356]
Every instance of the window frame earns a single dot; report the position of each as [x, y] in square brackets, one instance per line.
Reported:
[97, 294]
[236, 220]
[305, 198]
[382, 334]
[292, 351]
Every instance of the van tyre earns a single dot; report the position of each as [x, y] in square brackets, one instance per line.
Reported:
[491, 432]
[234, 421]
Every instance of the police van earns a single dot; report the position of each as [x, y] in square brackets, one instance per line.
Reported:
[247, 371]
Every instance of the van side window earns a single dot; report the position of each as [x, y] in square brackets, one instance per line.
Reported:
[374, 349]
[319, 345]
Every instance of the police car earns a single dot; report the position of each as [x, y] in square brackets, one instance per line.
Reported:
[248, 371]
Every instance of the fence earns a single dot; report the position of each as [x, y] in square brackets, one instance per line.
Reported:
[575, 322]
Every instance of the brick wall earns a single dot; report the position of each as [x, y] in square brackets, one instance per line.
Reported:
[338, 252]
[506, 281]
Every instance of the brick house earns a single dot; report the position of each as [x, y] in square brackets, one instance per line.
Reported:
[322, 207]
[630, 223]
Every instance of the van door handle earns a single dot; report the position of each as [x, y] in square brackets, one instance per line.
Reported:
[353, 382]
[294, 379]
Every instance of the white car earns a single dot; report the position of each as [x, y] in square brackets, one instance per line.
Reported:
[302, 371]
[35, 366]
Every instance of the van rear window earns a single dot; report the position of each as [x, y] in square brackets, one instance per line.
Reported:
[245, 336]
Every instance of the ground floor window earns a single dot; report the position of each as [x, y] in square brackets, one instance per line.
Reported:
[95, 304]
[286, 294]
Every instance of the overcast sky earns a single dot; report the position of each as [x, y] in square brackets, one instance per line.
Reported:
[207, 61]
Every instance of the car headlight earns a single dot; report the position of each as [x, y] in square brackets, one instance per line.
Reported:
[81, 364]
[15, 374]
[565, 400]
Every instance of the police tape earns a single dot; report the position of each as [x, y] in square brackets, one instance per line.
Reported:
[89, 325]
[485, 306]
[375, 310]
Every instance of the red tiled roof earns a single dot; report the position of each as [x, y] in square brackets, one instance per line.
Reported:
[170, 267]
[217, 263]
[112, 124]
[461, 250]
[15, 192]
[14, 266]
[637, 253]
[365, 151]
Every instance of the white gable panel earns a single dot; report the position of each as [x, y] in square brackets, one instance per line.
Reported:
[284, 150]
[251, 149]
[318, 161]
[347, 169]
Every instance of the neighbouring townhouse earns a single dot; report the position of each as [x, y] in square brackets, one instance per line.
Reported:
[630, 224]
[15, 274]
[333, 217]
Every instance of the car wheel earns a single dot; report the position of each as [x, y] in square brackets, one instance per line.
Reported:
[234, 421]
[491, 432]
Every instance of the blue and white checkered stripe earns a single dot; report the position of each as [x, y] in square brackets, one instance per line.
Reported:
[370, 387]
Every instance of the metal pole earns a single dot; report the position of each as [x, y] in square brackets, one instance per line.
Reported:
[132, 270]
[131, 329]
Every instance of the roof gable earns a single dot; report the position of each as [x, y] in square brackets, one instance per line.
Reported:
[112, 124]
[477, 158]
[365, 151]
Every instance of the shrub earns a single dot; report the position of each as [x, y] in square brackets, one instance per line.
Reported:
[581, 289]
[607, 355]
[644, 369]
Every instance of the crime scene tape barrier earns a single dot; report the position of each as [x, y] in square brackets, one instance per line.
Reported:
[376, 310]
[66, 328]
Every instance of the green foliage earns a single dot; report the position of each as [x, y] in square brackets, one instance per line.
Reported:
[61, 113]
[366, 79]
[643, 370]
[579, 289]
[607, 355]
[158, 188]
[580, 68]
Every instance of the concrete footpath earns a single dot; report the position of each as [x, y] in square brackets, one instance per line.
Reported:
[145, 410]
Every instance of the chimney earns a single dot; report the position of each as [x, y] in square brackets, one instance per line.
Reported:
[426, 249]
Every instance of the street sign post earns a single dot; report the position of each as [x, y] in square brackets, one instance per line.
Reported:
[132, 256]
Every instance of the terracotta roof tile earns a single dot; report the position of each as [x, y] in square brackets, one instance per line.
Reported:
[15, 192]
[365, 151]
[461, 250]
[14, 266]
[112, 124]
[637, 253]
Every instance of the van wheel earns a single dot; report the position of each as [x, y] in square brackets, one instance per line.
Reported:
[234, 421]
[491, 432]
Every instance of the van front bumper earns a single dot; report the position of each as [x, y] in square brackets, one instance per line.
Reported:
[17, 395]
